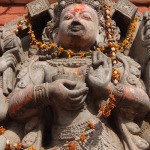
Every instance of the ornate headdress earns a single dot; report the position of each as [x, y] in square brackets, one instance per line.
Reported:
[95, 4]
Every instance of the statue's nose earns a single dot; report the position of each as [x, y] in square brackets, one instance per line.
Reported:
[76, 18]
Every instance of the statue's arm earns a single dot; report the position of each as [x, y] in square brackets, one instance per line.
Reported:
[130, 98]
[22, 103]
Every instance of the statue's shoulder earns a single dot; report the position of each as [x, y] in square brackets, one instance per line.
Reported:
[132, 71]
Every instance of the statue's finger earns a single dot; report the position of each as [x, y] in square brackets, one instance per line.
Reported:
[5, 83]
[109, 63]
[76, 100]
[10, 79]
[10, 56]
[77, 93]
[94, 57]
[68, 83]
[79, 104]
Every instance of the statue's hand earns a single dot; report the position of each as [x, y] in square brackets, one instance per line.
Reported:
[63, 93]
[6, 61]
[100, 73]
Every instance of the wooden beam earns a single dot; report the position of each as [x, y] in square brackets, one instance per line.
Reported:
[27, 1]
[140, 1]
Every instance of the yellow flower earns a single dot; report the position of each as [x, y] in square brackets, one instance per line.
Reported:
[98, 49]
[32, 36]
[29, 26]
[52, 45]
[31, 32]
[60, 50]
[44, 46]
[69, 53]
[90, 51]
[2, 130]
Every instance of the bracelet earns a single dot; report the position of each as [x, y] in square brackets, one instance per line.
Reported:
[40, 93]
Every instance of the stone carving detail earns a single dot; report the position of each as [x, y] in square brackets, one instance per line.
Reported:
[37, 7]
[73, 88]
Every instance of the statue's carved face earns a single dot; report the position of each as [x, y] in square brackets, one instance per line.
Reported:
[78, 27]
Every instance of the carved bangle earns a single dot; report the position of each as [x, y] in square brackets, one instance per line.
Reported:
[119, 92]
[41, 94]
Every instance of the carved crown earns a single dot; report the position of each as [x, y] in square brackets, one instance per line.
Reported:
[95, 4]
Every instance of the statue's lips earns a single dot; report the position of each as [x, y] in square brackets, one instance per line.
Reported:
[76, 28]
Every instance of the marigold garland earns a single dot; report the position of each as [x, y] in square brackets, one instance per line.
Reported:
[2, 130]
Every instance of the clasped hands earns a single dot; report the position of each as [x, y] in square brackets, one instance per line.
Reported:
[63, 93]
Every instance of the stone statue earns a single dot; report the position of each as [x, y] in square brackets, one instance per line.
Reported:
[71, 94]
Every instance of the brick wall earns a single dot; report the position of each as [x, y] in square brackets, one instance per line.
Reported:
[12, 9]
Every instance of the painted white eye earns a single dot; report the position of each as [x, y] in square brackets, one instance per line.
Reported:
[68, 17]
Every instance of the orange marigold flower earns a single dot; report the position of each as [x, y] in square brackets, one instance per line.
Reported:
[32, 148]
[33, 42]
[135, 18]
[18, 147]
[106, 113]
[82, 54]
[20, 27]
[20, 22]
[91, 125]
[8, 147]
[44, 46]
[30, 32]
[16, 31]
[102, 49]
[82, 137]
[69, 53]
[27, 19]
[38, 44]
[52, 45]
[116, 74]
[72, 146]
[60, 50]
[55, 4]
[2, 130]
[112, 97]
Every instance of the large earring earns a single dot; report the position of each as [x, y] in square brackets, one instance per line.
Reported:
[100, 37]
